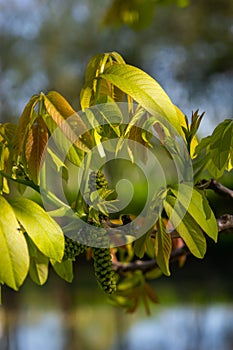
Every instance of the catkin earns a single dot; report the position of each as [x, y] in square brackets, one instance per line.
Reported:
[104, 273]
[103, 269]
[97, 181]
[72, 249]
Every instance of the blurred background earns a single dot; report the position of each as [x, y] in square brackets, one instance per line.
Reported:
[188, 48]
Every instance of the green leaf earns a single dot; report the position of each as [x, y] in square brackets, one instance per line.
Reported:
[202, 160]
[40, 227]
[4, 157]
[58, 165]
[140, 245]
[89, 90]
[94, 66]
[199, 209]
[117, 57]
[38, 270]
[144, 90]
[215, 152]
[186, 226]
[221, 144]
[65, 139]
[14, 258]
[95, 89]
[163, 247]
[108, 114]
[134, 134]
[85, 97]
[64, 269]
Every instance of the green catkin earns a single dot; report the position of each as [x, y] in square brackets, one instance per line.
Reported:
[72, 249]
[103, 269]
[104, 273]
[97, 181]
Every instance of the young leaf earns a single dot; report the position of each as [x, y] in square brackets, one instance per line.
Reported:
[144, 90]
[163, 247]
[89, 90]
[199, 209]
[24, 124]
[40, 227]
[35, 145]
[60, 110]
[186, 226]
[38, 270]
[117, 57]
[95, 89]
[189, 131]
[14, 258]
[64, 269]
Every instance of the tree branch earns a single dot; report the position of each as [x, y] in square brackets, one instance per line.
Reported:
[148, 265]
[225, 222]
[216, 187]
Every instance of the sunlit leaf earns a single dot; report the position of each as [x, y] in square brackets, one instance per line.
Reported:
[194, 141]
[40, 227]
[144, 90]
[89, 90]
[117, 57]
[85, 97]
[14, 258]
[95, 89]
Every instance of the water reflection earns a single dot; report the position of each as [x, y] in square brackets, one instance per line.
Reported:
[101, 327]
[188, 328]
